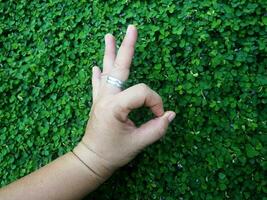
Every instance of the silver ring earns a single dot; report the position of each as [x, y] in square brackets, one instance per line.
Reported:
[114, 81]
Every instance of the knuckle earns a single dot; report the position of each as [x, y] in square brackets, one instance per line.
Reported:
[117, 65]
[117, 111]
[127, 45]
[121, 70]
[107, 55]
[143, 87]
[162, 132]
[164, 126]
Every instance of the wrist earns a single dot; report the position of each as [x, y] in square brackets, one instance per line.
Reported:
[99, 166]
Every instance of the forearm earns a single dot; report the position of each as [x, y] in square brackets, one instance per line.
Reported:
[65, 178]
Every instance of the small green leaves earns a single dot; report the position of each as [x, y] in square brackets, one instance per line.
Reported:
[251, 151]
[264, 20]
[178, 30]
[207, 59]
[221, 176]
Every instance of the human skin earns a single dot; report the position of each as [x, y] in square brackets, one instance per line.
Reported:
[111, 139]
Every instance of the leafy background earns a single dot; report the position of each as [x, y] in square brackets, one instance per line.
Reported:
[207, 59]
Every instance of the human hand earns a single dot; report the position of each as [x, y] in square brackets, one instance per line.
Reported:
[112, 139]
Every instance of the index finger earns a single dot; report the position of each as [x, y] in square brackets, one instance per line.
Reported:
[135, 97]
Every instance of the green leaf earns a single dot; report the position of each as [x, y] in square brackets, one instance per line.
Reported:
[223, 186]
[178, 30]
[264, 20]
[221, 176]
[251, 152]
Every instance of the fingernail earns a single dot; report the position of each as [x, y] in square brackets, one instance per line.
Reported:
[94, 69]
[171, 116]
[107, 36]
[130, 27]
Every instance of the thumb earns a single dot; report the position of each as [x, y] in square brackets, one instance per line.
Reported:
[154, 129]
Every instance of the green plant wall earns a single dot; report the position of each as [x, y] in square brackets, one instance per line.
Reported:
[207, 59]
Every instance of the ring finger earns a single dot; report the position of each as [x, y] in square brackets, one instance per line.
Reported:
[110, 53]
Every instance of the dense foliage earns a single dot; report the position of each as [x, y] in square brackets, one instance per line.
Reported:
[207, 59]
